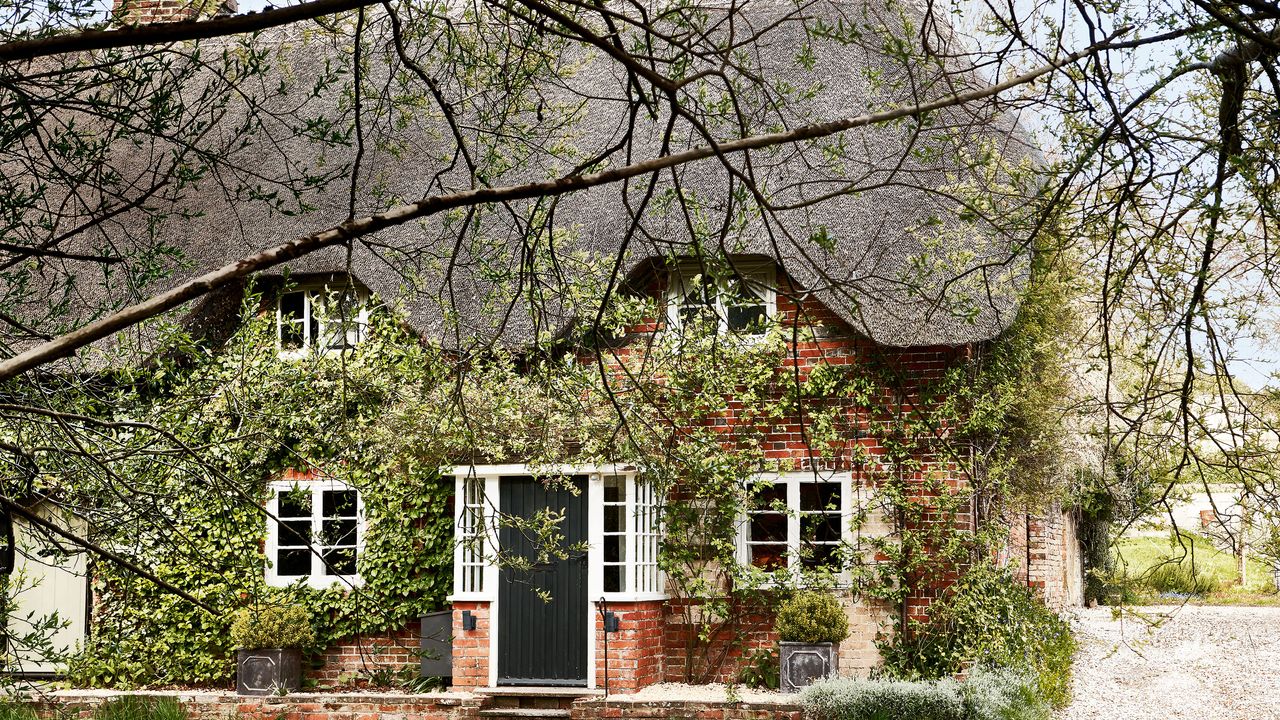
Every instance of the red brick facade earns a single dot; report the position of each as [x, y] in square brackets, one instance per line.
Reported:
[356, 661]
[654, 642]
[471, 647]
[143, 12]
[635, 652]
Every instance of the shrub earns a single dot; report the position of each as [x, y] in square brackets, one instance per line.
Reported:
[812, 617]
[987, 620]
[1004, 695]
[138, 707]
[987, 695]
[845, 699]
[271, 626]
[761, 670]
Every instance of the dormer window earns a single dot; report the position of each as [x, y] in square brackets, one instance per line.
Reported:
[321, 319]
[741, 301]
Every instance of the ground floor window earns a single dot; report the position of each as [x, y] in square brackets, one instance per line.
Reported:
[632, 528]
[798, 522]
[314, 533]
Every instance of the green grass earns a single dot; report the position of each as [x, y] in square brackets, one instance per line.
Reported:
[1152, 566]
[137, 707]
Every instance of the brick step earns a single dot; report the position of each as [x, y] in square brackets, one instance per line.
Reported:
[502, 699]
[524, 712]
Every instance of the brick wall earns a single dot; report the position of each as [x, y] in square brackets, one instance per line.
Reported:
[142, 12]
[299, 706]
[1044, 553]
[635, 657]
[471, 647]
[428, 706]
[627, 708]
[357, 660]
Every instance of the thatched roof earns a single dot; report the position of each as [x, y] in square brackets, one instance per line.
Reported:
[884, 257]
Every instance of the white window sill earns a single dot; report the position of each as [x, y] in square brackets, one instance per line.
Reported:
[322, 582]
[471, 597]
[622, 597]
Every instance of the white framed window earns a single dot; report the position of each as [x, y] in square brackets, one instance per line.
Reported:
[742, 302]
[320, 318]
[631, 530]
[315, 533]
[471, 560]
[797, 523]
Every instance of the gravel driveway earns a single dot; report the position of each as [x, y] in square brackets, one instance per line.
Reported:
[1208, 663]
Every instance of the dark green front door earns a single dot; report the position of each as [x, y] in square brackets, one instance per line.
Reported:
[542, 641]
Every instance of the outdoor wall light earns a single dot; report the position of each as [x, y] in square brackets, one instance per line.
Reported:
[611, 622]
[468, 620]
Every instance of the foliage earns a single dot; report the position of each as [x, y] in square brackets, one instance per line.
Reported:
[761, 670]
[17, 711]
[140, 707]
[987, 619]
[204, 521]
[985, 695]
[271, 626]
[812, 617]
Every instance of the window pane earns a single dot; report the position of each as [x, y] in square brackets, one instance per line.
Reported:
[613, 578]
[291, 336]
[615, 489]
[339, 503]
[820, 528]
[340, 561]
[768, 526]
[295, 504]
[338, 532]
[813, 556]
[614, 549]
[771, 497]
[614, 518]
[819, 496]
[746, 318]
[293, 563]
[295, 532]
[769, 557]
[291, 306]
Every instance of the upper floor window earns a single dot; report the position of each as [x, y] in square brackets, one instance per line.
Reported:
[797, 523]
[321, 318]
[741, 301]
[314, 533]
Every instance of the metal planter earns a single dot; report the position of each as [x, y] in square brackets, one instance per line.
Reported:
[268, 671]
[802, 664]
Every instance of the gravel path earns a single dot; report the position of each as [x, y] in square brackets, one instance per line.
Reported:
[1207, 663]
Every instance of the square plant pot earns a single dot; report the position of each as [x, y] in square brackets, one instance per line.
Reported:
[269, 671]
[804, 663]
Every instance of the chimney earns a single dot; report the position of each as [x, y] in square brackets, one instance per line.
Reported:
[143, 12]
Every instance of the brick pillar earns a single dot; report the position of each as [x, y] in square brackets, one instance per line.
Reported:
[636, 650]
[142, 12]
[471, 647]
